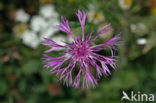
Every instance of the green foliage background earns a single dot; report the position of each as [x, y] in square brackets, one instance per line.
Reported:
[24, 80]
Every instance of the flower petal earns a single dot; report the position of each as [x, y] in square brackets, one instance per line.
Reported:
[103, 30]
[82, 18]
[64, 26]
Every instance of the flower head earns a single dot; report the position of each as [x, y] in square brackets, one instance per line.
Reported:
[125, 4]
[30, 38]
[82, 52]
[48, 11]
[22, 16]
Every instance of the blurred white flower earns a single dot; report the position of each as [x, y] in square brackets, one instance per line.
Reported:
[141, 41]
[30, 38]
[133, 27]
[138, 28]
[59, 39]
[49, 30]
[125, 4]
[95, 17]
[38, 23]
[91, 7]
[42, 26]
[48, 11]
[141, 26]
[47, 33]
[22, 16]
[19, 29]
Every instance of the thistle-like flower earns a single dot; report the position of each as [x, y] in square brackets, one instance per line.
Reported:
[81, 52]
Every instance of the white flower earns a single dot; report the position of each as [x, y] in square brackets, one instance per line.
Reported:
[138, 28]
[141, 26]
[48, 11]
[94, 16]
[38, 23]
[133, 27]
[59, 39]
[30, 38]
[46, 33]
[19, 29]
[42, 26]
[125, 4]
[49, 30]
[22, 16]
[141, 41]
[91, 7]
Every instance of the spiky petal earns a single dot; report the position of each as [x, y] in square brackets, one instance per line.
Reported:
[82, 18]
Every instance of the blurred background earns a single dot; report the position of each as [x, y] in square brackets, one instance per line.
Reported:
[24, 24]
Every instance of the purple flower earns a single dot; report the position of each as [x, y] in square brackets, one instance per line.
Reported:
[83, 53]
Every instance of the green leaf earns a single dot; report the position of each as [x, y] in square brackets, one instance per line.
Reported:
[32, 66]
